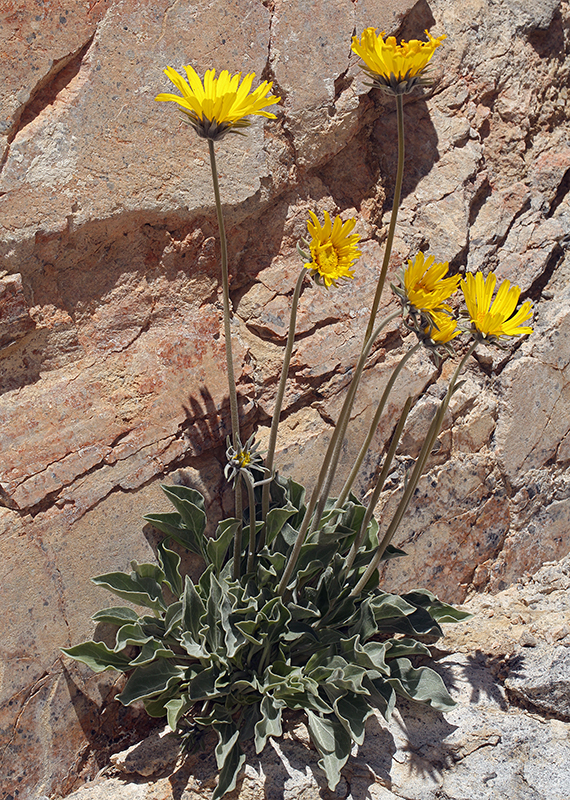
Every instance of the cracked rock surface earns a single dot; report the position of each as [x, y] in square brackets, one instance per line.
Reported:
[111, 352]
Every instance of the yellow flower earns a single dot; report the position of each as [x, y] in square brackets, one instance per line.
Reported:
[497, 319]
[395, 68]
[220, 105]
[425, 287]
[443, 329]
[333, 249]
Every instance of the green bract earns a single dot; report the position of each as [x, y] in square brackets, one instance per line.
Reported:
[232, 655]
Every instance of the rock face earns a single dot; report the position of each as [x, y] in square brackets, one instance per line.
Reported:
[111, 360]
[507, 737]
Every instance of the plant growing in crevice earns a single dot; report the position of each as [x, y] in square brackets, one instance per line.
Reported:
[288, 612]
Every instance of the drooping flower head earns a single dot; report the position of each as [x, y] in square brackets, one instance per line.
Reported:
[333, 249]
[425, 287]
[243, 458]
[443, 328]
[219, 105]
[491, 320]
[395, 68]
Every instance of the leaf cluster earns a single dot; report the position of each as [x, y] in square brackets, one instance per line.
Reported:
[233, 655]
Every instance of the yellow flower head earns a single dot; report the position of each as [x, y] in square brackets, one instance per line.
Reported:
[425, 285]
[333, 249]
[395, 68]
[219, 105]
[443, 329]
[492, 320]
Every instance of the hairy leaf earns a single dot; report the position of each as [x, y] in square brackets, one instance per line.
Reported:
[423, 685]
[151, 680]
[142, 591]
[97, 656]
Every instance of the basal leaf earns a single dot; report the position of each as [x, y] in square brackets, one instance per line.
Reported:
[151, 680]
[217, 549]
[276, 518]
[176, 708]
[352, 711]
[142, 591]
[193, 609]
[229, 758]
[170, 563]
[422, 684]
[97, 656]
[117, 615]
[333, 743]
[270, 723]
[171, 525]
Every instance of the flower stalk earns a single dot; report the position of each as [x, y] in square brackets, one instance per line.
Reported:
[393, 217]
[412, 483]
[281, 391]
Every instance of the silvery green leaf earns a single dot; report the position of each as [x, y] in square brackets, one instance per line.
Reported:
[229, 758]
[395, 648]
[380, 694]
[150, 651]
[218, 547]
[441, 612]
[151, 680]
[193, 609]
[176, 708]
[97, 656]
[333, 743]
[276, 518]
[270, 723]
[130, 634]
[117, 615]
[171, 525]
[423, 685]
[142, 591]
[352, 710]
[170, 563]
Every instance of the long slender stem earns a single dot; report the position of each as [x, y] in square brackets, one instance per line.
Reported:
[281, 390]
[234, 413]
[393, 217]
[379, 483]
[346, 409]
[342, 423]
[226, 299]
[427, 447]
[374, 425]
[252, 521]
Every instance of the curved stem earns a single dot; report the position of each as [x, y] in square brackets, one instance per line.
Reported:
[281, 390]
[345, 412]
[344, 418]
[374, 425]
[427, 447]
[226, 299]
[393, 217]
[227, 318]
[379, 484]
[252, 521]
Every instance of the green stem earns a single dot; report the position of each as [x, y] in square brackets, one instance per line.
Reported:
[281, 391]
[427, 447]
[374, 425]
[252, 521]
[379, 484]
[393, 217]
[345, 412]
[344, 418]
[227, 318]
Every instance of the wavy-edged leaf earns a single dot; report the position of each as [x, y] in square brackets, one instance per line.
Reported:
[169, 560]
[217, 548]
[381, 695]
[176, 708]
[441, 612]
[183, 494]
[142, 591]
[352, 711]
[97, 656]
[150, 651]
[276, 518]
[116, 615]
[130, 634]
[170, 524]
[229, 758]
[422, 684]
[270, 722]
[396, 648]
[193, 609]
[333, 743]
[151, 680]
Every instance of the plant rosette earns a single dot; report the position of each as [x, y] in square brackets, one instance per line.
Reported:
[233, 655]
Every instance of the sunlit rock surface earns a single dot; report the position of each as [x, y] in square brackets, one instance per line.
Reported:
[112, 372]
